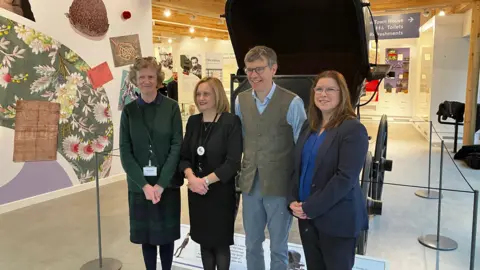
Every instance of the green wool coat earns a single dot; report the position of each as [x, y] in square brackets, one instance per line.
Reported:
[160, 223]
[163, 120]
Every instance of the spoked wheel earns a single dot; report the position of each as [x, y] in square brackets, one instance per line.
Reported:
[380, 162]
[365, 185]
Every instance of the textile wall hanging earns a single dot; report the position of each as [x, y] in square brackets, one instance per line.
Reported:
[89, 17]
[36, 130]
[125, 49]
[35, 67]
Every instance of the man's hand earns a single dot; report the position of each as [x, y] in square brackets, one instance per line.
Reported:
[197, 185]
[298, 210]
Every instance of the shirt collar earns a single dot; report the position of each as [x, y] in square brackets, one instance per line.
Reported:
[268, 97]
[158, 99]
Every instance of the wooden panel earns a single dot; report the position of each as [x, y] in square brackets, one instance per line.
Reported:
[217, 7]
[166, 30]
[472, 78]
[385, 5]
[186, 18]
[36, 130]
[206, 7]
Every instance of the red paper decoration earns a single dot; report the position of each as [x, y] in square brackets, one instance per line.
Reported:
[126, 15]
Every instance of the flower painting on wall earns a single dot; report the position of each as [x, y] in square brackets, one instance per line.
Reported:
[34, 66]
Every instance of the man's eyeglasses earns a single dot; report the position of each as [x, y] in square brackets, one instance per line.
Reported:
[327, 91]
[258, 70]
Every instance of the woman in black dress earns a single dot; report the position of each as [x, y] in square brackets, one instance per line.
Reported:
[210, 159]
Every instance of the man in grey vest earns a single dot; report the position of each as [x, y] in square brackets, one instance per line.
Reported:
[271, 121]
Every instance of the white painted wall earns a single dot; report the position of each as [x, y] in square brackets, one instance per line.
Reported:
[198, 46]
[450, 67]
[51, 20]
[394, 104]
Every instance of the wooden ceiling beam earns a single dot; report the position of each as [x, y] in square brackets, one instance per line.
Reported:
[215, 8]
[399, 5]
[211, 8]
[188, 19]
[167, 30]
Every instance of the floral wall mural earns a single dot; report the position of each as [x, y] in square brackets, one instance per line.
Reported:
[36, 67]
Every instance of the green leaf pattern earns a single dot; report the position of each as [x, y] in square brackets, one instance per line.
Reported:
[36, 67]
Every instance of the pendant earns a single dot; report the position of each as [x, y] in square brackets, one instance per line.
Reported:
[200, 150]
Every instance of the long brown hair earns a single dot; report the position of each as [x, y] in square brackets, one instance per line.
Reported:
[343, 111]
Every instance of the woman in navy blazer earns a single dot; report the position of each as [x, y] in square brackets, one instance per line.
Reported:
[326, 196]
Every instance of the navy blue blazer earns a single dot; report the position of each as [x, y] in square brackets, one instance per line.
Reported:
[336, 204]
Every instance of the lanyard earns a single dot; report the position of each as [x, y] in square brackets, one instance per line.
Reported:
[149, 129]
[201, 147]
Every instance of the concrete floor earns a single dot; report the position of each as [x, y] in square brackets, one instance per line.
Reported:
[62, 233]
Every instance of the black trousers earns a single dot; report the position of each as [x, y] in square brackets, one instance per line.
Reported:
[150, 256]
[324, 252]
[215, 258]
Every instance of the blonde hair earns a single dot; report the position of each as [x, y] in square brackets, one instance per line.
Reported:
[344, 109]
[145, 62]
[221, 100]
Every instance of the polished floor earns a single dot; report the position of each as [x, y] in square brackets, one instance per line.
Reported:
[62, 234]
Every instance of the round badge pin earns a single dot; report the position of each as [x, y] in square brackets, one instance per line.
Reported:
[200, 150]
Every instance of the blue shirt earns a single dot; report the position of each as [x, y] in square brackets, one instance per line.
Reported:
[309, 156]
[296, 114]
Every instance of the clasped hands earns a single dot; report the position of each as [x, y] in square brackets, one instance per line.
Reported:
[153, 193]
[297, 210]
[197, 185]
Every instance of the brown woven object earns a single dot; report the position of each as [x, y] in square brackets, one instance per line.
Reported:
[36, 130]
[89, 17]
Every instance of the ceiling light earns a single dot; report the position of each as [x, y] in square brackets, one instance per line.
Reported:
[167, 13]
[442, 13]
[192, 29]
[206, 39]
[169, 40]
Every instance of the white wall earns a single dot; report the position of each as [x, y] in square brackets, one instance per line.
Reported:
[51, 20]
[394, 104]
[198, 46]
[450, 67]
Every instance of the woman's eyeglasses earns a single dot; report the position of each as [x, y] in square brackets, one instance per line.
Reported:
[328, 90]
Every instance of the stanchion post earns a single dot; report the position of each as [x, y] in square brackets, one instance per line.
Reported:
[437, 241]
[429, 194]
[99, 227]
[474, 230]
[100, 263]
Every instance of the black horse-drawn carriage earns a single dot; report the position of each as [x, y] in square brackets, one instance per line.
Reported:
[311, 36]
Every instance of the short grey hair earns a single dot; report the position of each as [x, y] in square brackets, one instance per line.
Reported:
[145, 62]
[258, 52]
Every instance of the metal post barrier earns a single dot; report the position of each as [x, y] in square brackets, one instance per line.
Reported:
[438, 241]
[429, 194]
[100, 263]
[474, 230]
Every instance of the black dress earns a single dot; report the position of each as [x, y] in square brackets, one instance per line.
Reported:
[212, 216]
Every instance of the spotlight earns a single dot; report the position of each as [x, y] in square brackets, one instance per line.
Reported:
[167, 13]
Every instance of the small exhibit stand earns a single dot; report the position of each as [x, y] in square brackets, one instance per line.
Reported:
[189, 257]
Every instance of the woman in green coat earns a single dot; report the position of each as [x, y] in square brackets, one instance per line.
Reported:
[150, 141]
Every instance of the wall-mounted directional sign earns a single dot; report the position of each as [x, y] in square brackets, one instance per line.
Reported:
[396, 26]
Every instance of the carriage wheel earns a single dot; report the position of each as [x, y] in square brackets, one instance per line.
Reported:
[380, 162]
[365, 185]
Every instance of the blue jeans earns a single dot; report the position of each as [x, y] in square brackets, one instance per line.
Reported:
[259, 212]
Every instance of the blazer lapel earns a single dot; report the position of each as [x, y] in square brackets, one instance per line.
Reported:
[327, 142]
[304, 133]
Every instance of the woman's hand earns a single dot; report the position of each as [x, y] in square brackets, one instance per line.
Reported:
[198, 185]
[298, 210]
[151, 193]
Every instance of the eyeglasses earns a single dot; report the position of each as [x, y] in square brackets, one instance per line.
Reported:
[327, 91]
[258, 70]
